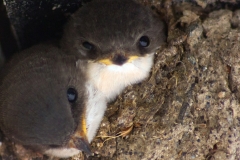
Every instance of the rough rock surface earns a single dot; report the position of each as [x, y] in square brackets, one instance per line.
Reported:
[189, 106]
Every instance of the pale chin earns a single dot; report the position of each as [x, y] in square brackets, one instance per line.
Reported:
[112, 79]
[62, 152]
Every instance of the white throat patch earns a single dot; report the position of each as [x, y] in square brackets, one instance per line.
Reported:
[62, 152]
[105, 82]
[112, 79]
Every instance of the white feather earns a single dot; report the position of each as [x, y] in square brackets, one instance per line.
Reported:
[62, 152]
[105, 82]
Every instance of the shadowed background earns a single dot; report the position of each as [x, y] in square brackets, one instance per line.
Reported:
[188, 108]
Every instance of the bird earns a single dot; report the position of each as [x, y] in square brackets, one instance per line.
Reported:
[118, 39]
[43, 102]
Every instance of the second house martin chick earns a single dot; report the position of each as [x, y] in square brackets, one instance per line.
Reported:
[43, 102]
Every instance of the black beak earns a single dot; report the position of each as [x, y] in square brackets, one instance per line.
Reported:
[119, 59]
[83, 145]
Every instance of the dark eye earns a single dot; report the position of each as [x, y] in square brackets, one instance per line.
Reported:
[71, 95]
[87, 45]
[144, 41]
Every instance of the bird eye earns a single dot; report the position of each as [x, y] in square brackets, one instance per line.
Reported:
[144, 41]
[87, 45]
[71, 95]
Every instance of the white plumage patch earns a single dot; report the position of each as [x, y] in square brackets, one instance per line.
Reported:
[62, 152]
[105, 82]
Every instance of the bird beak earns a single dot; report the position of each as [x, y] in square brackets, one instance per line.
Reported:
[79, 140]
[81, 143]
[132, 58]
[112, 61]
[106, 61]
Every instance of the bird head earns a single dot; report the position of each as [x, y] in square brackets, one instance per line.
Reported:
[118, 38]
[42, 101]
[113, 32]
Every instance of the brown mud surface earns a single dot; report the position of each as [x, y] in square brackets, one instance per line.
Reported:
[189, 106]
